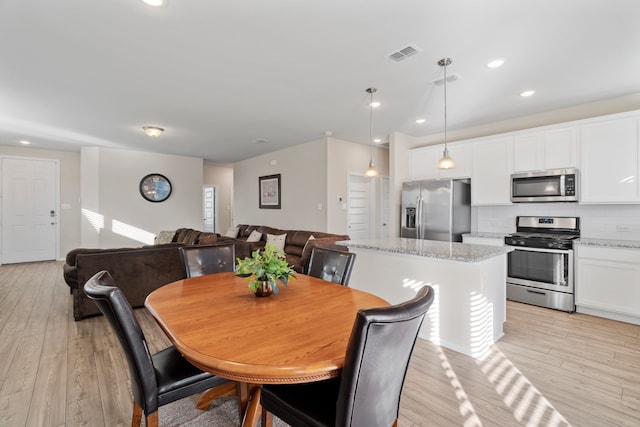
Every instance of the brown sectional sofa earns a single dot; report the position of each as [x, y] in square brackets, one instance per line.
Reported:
[139, 271]
[295, 246]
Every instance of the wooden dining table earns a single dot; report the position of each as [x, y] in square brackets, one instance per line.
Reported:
[297, 336]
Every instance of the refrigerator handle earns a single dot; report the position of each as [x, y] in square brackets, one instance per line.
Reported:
[419, 217]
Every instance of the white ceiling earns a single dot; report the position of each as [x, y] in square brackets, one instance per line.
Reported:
[220, 75]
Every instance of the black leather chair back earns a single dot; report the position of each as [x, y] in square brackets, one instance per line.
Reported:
[207, 259]
[377, 360]
[102, 289]
[331, 265]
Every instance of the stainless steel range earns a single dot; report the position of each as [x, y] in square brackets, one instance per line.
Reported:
[540, 268]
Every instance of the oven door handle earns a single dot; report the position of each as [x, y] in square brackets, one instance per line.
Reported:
[553, 251]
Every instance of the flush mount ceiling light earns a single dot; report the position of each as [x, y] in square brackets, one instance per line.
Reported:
[152, 130]
[496, 63]
[25, 142]
[371, 171]
[446, 162]
[155, 3]
[527, 93]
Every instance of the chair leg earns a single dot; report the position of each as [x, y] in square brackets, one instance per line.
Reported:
[226, 389]
[136, 418]
[267, 418]
[152, 420]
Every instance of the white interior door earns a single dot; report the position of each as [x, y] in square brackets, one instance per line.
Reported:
[359, 207]
[209, 209]
[384, 206]
[29, 209]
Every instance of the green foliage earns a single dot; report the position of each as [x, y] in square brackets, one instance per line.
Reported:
[269, 264]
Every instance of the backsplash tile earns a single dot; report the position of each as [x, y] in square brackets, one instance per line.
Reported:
[621, 222]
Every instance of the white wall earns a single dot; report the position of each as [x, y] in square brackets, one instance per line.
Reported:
[313, 176]
[69, 190]
[345, 157]
[115, 214]
[222, 178]
[303, 173]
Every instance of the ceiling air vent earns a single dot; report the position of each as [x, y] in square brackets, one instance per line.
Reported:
[403, 53]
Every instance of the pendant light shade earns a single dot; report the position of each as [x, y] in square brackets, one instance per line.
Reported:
[446, 162]
[371, 171]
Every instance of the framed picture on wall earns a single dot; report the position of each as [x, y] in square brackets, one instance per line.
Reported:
[269, 191]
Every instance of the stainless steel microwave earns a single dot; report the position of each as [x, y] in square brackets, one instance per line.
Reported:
[558, 185]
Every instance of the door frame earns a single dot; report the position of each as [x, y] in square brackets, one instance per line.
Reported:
[373, 232]
[56, 235]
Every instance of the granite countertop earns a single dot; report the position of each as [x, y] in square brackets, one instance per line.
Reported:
[451, 251]
[609, 243]
[486, 235]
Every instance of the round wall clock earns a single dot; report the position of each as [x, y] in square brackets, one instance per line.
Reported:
[155, 187]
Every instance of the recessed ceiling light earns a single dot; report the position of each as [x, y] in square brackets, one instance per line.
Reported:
[377, 140]
[155, 3]
[25, 142]
[261, 141]
[496, 63]
[527, 93]
[420, 121]
[152, 130]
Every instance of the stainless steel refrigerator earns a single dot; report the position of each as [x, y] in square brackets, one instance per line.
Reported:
[436, 209]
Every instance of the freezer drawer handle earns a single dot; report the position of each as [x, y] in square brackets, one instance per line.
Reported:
[536, 292]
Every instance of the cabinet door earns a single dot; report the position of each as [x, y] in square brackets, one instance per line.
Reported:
[491, 172]
[560, 148]
[609, 161]
[608, 280]
[424, 162]
[528, 152]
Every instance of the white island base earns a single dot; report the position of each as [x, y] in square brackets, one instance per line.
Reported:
[469, 308]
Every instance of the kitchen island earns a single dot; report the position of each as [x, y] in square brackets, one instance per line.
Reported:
[469, 281]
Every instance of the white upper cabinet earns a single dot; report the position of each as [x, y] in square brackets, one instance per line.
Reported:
[542, 150]
[491, 171]
[561, 148]
[609, 161]
[424, 162]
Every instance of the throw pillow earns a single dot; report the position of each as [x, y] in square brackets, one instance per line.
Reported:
[254, 236]
[276, 240]
[164, 237]
[232, 232]
[307, 246]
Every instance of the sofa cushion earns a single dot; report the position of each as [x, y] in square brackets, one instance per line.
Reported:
[208, 238]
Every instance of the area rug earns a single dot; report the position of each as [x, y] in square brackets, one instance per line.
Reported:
[223, 412]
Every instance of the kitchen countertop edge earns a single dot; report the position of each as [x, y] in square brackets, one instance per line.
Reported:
[451, 251]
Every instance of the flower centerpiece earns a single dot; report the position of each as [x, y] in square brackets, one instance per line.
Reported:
[264, 268]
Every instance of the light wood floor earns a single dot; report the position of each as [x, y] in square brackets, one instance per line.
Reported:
[550, 369]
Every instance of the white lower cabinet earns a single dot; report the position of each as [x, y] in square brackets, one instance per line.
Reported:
[608, 282]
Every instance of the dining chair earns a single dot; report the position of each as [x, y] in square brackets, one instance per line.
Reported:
[375, 367]
[200, 260]
[331, 265]
[156, 380]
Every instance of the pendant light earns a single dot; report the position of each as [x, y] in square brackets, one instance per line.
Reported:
[446, 162]
[371, 171]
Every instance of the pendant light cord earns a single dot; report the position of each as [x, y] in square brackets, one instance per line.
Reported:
[445, 105]
[371, 128]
